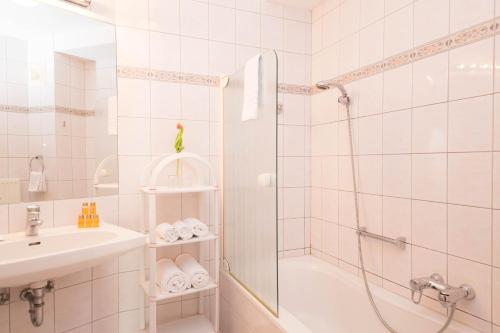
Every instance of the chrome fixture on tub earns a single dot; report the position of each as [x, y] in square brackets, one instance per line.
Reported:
[447, 295]
[35, 295]
[33, 221]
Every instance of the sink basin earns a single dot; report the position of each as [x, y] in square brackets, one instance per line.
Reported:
[60, 251]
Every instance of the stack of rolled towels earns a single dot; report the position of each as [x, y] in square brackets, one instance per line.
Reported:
[182, 229]
[184, 273]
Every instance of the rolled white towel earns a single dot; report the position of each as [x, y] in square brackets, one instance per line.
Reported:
[199, 228]
[169, 277]
[184, 231]
[197, 275]
[167, 232]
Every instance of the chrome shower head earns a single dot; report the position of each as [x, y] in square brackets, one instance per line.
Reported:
[343, 99]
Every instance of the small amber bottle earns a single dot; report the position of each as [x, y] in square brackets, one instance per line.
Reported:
[88, 221]
[93, 209]
[95, 221]
[81, 221]
[85, 208]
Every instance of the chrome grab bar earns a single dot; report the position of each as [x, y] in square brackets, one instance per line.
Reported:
[399, 242]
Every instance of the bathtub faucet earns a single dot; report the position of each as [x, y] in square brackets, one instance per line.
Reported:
[447, 295]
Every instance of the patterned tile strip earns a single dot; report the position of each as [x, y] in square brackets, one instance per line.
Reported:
[195, 79]
[294, 89]
[461, 38]
[46, 109]
[167, 76]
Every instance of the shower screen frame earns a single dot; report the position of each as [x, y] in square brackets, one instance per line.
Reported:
[268, 108]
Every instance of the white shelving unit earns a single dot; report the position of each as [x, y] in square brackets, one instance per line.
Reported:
[150, 190]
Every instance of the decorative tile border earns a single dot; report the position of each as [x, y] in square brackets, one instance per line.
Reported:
[196, 79]
[14, 108]
[74, 112]
[294, 89]
[46, 109]
[461, 38]
[458, 39]
[168, 76]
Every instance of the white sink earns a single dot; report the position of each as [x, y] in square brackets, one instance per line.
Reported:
[60, 251]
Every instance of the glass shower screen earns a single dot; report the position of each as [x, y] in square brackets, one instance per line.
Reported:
[250, 195]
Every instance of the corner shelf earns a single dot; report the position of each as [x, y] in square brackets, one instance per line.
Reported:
[161, 296]
[150, 191]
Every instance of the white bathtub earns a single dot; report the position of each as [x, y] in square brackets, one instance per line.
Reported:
[318, 297]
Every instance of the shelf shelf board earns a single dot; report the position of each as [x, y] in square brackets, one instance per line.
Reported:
[174, 190]
[193, 324]
[164, 296]
[161, 243]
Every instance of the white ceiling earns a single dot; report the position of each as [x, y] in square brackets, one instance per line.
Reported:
[306, 4]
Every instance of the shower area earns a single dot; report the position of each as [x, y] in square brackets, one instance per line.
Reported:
[302, 237]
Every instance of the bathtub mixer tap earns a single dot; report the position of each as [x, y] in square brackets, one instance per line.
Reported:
[447, 295]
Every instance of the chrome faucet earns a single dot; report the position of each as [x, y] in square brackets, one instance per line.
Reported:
[447, 295]
[33, 221]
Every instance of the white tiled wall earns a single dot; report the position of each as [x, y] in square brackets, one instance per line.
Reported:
[206, 37]
[212, 37]
[425, 142]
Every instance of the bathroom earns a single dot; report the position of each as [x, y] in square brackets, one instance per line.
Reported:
[321, 149]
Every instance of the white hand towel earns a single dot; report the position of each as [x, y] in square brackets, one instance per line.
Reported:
[185, 232]
[251, 89]
[199, 228]
[169, 277]
[197, 275]
[37, 182]
[167, 232]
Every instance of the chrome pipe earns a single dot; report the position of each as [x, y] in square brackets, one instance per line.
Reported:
[35, 296]
[399, 242]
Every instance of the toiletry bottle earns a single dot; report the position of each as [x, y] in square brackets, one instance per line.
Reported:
[92, 208]
[88, 221]
[85, 209]
[95, 221]
[81, 221]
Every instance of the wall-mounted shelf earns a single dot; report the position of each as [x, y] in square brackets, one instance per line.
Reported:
[151, 190]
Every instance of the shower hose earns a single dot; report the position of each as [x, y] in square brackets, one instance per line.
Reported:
[360, 251]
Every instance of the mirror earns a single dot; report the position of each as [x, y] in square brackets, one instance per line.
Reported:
[58, 109]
